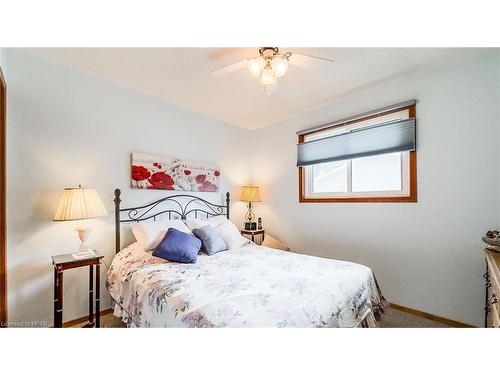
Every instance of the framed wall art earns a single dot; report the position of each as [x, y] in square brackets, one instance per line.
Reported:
[170, 173]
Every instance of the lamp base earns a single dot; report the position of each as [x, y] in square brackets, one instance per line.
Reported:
[83, 251]
[249, 216]
[83, 234]
[83, 254]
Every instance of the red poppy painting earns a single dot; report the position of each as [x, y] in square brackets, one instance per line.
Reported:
[169, 173]
[139, 173]
[162, 181]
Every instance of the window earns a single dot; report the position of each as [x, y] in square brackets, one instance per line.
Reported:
[382, 177]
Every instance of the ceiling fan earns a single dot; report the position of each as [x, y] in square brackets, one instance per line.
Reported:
[270, 65]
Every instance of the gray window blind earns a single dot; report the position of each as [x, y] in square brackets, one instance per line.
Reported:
[392, 136]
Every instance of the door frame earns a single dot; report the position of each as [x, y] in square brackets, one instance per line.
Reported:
[3, 212]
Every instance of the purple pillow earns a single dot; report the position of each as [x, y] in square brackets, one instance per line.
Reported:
[211, 240]
[178, 246]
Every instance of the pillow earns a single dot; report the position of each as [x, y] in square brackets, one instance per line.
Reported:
[217, 220]
[196, 223]
[228, 231]
[150, 233]
[212, 242]
[231, 235]
[273, 243]
[178, 246]
[214, 221]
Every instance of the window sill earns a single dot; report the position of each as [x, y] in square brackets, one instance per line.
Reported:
[410, 199]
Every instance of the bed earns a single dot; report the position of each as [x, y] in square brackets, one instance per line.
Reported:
[248, 286]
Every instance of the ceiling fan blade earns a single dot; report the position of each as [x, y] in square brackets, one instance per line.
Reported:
[229, 68]
[305, 61]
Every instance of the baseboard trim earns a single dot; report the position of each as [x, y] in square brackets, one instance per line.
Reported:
[395, 306]
[435, 318]
[83, 319]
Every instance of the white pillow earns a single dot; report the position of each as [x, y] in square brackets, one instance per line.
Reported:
[214, 221]
[231, 235]
[196, 223]
[150, 233]
[217, 220]
[228, 231]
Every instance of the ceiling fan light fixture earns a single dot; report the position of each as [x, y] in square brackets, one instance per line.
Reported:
[256, 65]
[269, 89]
[270, 65]
[280, 66]
[268, 77]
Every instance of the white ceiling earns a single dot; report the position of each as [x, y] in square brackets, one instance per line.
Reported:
[182, 76]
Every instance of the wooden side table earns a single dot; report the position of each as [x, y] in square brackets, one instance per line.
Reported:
[65, 262]
[253, 233]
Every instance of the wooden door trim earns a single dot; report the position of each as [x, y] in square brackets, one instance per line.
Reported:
[3, 212]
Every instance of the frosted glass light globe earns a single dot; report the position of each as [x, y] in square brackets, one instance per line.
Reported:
[267, 77]
[280, 66]
[256, 65]
[269, 89]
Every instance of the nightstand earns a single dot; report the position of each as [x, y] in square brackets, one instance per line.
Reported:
[253, 233]
[65, 262]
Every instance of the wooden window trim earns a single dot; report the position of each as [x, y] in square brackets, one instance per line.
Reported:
[413, 168]
[3, 215]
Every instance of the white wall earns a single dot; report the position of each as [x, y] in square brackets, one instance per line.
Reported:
[66, 128]
[426, 255]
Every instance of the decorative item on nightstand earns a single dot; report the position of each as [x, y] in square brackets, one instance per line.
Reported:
[78, 204]
[250, 194]
[492, 238]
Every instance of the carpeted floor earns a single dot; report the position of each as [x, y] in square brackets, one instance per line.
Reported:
[399, 319]
[391, 319]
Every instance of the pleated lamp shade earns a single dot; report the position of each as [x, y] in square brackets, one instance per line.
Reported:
[250, 194]
[79, 203]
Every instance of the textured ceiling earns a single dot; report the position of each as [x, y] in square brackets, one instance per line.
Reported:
[182, 76]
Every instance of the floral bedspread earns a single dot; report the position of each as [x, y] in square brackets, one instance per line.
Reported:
[251, 286]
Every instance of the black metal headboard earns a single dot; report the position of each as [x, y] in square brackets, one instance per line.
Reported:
[180, 205]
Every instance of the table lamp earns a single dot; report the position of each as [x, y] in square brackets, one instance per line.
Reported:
[78, 204]
[250, 194]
